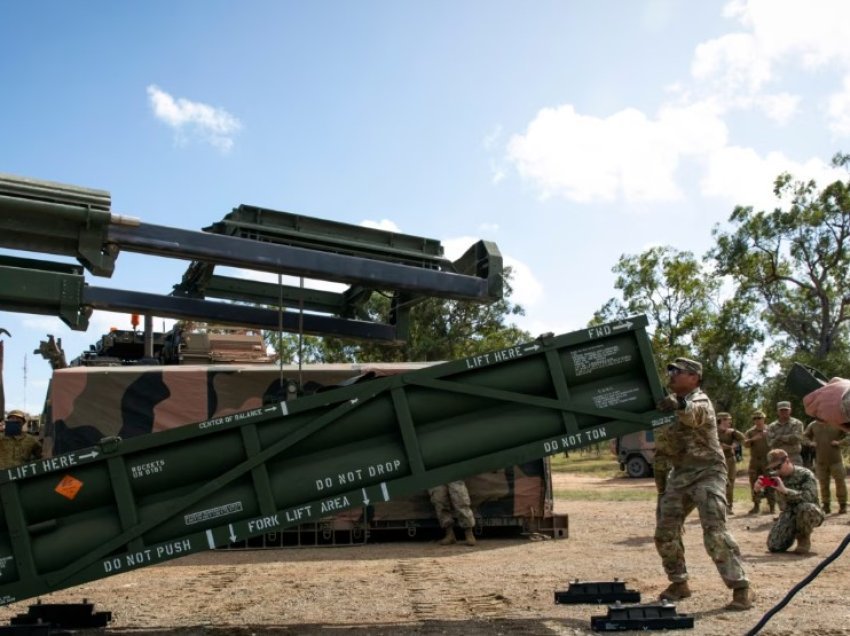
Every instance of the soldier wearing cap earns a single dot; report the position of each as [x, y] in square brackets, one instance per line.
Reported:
[729, 437]
[797, 492]
[786, 432]
[755, 439]
[16, 446]
[829, 464]
[697, 480]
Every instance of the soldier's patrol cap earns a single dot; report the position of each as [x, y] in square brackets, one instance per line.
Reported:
[783, 405]
[776, 458]
[758, 414]
[18, 414]
[723, 415]
[684, 364]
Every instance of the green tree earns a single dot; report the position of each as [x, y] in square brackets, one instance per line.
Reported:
[794, 261]
[668, 286]
[439, 330]
[681, 298]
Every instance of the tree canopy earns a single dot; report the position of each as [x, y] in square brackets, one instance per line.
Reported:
[773, 288]
[439, 330]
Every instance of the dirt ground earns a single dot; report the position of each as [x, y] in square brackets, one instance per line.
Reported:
[499, 587]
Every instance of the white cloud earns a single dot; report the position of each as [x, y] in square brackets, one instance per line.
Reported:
[527, 290]
[213, 125]
[742, 177]
[633, 156]
[734, 62]
[839, 110]
[587, 159]
[778, 36]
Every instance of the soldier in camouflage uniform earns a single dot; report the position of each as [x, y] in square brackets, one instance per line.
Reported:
[829, 464]
[698, 480]
[16, 445]
[449, 497]
[786, 433]
[755, 439]
[797, 492]
[729, 437]
[831, 403]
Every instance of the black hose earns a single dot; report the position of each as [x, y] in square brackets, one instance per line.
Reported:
[811, 576]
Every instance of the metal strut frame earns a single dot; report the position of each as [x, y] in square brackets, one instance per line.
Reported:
[52, 218]
[122, 505]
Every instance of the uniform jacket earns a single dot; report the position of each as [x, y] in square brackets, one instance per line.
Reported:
[823, 434]
[788, 436]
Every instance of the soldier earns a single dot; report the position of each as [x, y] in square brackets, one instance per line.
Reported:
[756, 440]
[698, 480]
[786, 432]
[729, 437]
[830, 403]
[797, 492]
[828, 462]
[448, 497]
[16, 446]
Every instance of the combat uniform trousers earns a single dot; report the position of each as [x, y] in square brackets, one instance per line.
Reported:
[661, 470]
[707, 495]
[827, 472]
[731, 473]
[797, 520]
[753, 473]
[452, 496]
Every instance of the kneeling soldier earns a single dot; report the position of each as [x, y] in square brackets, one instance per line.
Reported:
[797, 493]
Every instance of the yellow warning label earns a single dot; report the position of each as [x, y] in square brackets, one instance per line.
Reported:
[69, 487]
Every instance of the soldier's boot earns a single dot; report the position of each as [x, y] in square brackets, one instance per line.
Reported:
[842, 508]
[449, 538]
[772, 507]
[675, 591]
[469, 537]
[742, 598]
[729, 510]
[825, 507]
[804, 544]
[755, 509]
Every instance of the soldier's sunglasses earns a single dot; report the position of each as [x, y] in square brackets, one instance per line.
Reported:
[671, 371]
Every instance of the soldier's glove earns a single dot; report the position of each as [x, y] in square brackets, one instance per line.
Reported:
[671, 403]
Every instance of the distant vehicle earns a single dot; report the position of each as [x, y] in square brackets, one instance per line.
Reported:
[635, 452]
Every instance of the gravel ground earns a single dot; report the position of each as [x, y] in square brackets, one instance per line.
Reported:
[498, 587]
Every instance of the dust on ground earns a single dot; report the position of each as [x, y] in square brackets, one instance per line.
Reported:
[498, 587]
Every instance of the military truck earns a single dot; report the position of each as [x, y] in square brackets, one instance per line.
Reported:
[635, 453]
[123, 504]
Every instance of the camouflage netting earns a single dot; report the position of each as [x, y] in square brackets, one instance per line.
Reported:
[90, 403]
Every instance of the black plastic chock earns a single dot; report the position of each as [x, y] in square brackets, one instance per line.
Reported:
[641, 617]
[62, 616]
[597, 592]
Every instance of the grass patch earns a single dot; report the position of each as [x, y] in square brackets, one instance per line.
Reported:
[606, 494]
[629, 493]
[606, 465]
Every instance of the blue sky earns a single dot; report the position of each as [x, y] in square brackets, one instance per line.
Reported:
[568, 133]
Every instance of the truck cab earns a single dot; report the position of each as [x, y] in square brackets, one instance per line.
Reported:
[635, 452]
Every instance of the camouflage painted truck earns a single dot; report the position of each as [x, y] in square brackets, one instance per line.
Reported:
[122, 505]
[88, 403]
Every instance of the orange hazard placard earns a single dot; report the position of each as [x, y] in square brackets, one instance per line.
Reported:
[69, 487]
